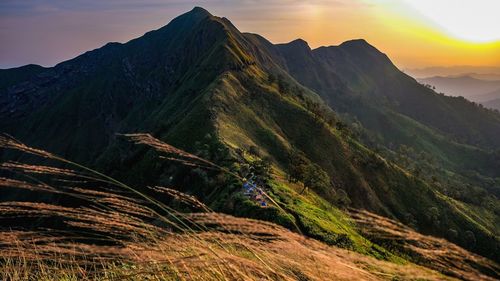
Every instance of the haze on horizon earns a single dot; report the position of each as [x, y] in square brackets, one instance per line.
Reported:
[413, 33]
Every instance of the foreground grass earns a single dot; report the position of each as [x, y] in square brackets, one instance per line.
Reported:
[111, 231]
[245, 250]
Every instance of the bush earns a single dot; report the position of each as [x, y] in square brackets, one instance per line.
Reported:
[342, 198]
[452, 234]
[470, 239]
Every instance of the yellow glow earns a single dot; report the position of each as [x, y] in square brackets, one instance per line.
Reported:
[477, 21]
[417, 41]
[394, 27]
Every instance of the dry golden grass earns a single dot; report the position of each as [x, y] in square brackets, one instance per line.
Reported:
[230, 249]
[435, 253]
[116, 232]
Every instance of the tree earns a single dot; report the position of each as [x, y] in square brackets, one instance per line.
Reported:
[254, 150]
[283, 85]
[297, 166]
[212, 149]
[316, 179]
[262, 168]
[343, 128]
[433, 216]
[310, 174]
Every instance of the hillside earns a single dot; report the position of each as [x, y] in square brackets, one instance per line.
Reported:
[275, 111]
[443, 140]
[373, 79]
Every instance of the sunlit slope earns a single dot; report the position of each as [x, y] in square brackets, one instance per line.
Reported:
[257, 114]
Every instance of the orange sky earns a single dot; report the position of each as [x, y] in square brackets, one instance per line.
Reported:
[407, 36]
[412, 34]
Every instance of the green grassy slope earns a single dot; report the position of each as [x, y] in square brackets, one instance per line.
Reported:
[257, 114]
[450, 139]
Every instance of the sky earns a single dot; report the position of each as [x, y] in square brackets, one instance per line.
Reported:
[414, 33]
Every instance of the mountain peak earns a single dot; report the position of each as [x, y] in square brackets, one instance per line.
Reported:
[366, 52]
[199, 11]
[297, 45]
[357, 42]
[195, 15]
[300, 43]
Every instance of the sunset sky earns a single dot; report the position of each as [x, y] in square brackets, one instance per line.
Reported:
[414, 33]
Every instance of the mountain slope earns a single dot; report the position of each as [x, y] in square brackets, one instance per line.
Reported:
[393, 109]
[398, 113]
[274, 124]
[357, 79]
[199, 75]
[369, 73]
[117, 87]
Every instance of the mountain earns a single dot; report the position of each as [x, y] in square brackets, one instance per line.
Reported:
[118, 86]
[466, 86]
[481, 91]
[394, 110]
[16, 75]
[494, 104]
[490, 96]
[480, 76]
[241, 101]
[356, 79]
[479, 72]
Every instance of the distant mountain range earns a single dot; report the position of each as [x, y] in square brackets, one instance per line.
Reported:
[479, 72]
[474, 89]
[391, 145]
[494, 103]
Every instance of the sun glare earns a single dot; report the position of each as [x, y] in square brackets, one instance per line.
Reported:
[476, 21]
